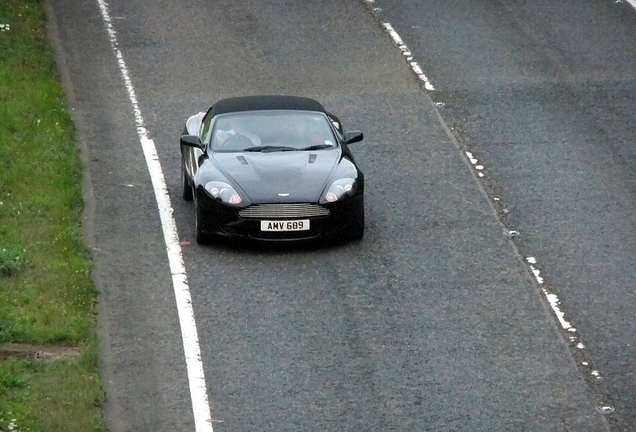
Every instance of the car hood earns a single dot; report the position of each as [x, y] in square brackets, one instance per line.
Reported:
[297, 176]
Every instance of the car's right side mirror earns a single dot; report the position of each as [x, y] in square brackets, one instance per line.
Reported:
[191, 141]
[353, 137]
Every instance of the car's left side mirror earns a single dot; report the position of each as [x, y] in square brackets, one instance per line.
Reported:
[353, 137]
[191, 141]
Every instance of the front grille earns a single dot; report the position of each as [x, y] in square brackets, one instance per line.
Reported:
[282, 211]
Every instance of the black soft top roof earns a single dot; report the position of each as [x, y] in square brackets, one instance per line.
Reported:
[269, 102]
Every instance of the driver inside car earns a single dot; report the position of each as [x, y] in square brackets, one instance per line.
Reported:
[237, 130]
[303, 132]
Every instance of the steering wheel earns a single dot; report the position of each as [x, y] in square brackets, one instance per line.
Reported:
[237, 142]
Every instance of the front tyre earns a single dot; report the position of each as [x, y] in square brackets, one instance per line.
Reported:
[201, 237]
[356, 227]
[186, 185]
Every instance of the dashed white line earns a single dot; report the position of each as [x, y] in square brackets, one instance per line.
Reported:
[531, 262]
[553, 300]
[189, 334]
[409, 57]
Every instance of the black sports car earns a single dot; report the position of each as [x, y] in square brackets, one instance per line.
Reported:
[271, 168]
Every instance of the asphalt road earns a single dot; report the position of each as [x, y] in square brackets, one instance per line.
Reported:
[543, 95]
[433, 321]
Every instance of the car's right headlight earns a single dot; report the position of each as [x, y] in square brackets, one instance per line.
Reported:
[223, 192]
[340, 189]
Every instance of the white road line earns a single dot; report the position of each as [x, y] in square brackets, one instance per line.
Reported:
[194, 365]
[409, 57]
[632, 2]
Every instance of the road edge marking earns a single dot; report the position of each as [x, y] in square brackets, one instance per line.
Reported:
[406, 52]
[189, 334]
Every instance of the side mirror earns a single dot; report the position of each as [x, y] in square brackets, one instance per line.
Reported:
[191, 141]
[353, 137]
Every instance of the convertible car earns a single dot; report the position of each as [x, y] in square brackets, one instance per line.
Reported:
[271, 168]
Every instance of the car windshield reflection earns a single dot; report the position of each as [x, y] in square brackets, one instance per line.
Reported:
[272, 131]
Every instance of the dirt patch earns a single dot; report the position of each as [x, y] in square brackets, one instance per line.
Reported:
[37, 352]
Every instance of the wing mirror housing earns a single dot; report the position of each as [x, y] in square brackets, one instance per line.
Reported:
[191, 141]
[353, 137]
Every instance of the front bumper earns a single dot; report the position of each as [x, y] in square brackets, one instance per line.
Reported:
[218, 219]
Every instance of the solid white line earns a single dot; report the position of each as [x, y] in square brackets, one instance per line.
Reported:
[192, 350]
[632, 2]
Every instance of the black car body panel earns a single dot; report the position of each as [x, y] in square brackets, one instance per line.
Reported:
[271, 189]
[262, 176]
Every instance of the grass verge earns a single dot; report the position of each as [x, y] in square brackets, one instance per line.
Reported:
[46, 293]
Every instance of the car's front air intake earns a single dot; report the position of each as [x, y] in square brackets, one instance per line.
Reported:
[282, 211]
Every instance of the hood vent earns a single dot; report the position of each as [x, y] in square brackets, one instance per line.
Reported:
[312, 158]
[242, 160]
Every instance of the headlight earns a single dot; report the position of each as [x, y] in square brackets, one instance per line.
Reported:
[339, 189]
[223, 192]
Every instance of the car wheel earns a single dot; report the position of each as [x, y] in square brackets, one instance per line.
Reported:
[186, 184]
[201, 237]
[356, 228]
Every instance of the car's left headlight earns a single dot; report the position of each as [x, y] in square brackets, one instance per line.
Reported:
[223, 192]
[339, 189]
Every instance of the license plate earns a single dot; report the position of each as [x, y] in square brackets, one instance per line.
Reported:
[288, 225]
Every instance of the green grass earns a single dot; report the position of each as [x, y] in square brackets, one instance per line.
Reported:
[51, 396]
[11, 261]
[46, 292]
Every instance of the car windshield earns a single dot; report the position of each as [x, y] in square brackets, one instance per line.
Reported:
[272, 131]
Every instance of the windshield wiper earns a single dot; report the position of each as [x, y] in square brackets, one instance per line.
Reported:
[318, 147]
[269, 149]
